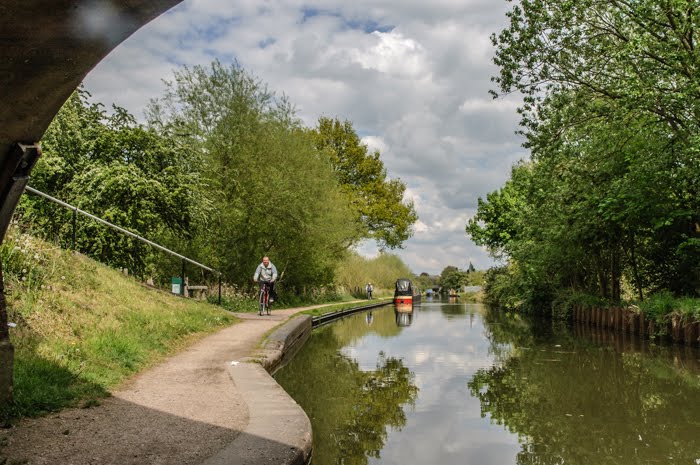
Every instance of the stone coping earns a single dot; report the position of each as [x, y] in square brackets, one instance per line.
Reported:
[279, 431]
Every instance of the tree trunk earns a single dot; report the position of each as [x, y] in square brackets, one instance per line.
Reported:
[635, 269]
[615, 274]
[6, 355]
[602, 277]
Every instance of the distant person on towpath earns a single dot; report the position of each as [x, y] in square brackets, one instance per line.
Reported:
[369, 290]
[266, 272]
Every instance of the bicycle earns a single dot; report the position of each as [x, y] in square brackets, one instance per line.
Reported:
[264, 299]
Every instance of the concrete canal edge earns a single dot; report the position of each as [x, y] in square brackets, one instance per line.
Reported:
[279, 431]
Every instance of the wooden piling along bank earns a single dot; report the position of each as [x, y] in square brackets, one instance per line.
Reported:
[632, 321]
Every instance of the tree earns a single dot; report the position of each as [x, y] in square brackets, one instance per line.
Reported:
[452, 278]
[638, 55]
[116, 169]
[425, 281]
[496, 223]
[610, 115]
[271, 191]
[378, 202]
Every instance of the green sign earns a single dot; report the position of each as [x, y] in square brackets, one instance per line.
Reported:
[176, 285]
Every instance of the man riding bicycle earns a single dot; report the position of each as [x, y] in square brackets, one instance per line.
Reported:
[266, 273]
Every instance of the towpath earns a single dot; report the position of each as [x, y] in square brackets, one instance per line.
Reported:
[201, 406]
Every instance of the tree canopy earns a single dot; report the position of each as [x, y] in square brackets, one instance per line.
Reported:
[377, 202]
[608, 199]
[223, 172]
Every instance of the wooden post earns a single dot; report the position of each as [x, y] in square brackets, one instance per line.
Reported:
[691, 333]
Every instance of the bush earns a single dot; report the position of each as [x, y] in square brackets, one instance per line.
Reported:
[658, 306]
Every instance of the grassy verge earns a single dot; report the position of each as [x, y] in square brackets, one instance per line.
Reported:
[236, 301]
[472, 297]
[82, 328]
[661, 306]
[342, 306]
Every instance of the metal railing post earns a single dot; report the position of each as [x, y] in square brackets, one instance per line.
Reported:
[75, 220]
[219, 288]
[182, 286]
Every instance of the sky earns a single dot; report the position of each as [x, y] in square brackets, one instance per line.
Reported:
[412, 77]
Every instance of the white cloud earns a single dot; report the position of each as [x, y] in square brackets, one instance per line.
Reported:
[393, 55]
[412, 76]
[479, 106]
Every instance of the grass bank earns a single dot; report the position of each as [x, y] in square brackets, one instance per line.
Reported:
[81, 328]
[342, 306]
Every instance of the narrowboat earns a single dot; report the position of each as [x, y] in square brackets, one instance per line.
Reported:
[404, 291]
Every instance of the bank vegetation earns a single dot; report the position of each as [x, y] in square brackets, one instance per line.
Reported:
[223, 172]
[606, 209]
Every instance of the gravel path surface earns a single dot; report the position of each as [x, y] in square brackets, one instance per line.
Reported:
[184, 410]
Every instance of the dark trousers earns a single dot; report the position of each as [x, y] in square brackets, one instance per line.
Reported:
[273, 294]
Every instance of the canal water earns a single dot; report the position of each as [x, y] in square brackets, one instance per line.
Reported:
[453, 383]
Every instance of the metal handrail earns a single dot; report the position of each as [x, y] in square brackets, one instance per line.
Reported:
[129, 233]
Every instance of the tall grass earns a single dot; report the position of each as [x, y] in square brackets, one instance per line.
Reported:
[355, 272]
[659, 306]
[82, 328]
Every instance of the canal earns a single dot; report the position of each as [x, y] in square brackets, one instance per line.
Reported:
[454, 383]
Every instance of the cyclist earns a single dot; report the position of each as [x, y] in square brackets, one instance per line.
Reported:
[266, 272]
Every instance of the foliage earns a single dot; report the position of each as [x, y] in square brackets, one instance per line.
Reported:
[355, 271]
[607, 205]
[116, 169]
[82, 328]
[452, 279]
[378, 202]
[272, 192]
[660, 306]
[424, 281]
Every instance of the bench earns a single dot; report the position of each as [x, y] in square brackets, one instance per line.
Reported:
[199, 292]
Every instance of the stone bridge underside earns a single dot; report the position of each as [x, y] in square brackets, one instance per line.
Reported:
[46, 49]
[48, 46]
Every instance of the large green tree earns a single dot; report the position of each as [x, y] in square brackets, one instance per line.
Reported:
[378, 202]
[640, 55]
[609, 194]
[271, 191]
[119, 170]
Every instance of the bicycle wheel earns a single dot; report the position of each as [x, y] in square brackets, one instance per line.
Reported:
[261, 303]
[267, 303]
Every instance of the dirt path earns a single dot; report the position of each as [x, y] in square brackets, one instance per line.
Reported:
[182, 411]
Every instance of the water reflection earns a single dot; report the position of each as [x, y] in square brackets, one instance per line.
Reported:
[574, 401]
[403, 313]
[462, 385]
[351, 409]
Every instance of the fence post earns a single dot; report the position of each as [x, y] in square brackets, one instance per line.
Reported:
[219, 288]
[182, 286]
[75, 215]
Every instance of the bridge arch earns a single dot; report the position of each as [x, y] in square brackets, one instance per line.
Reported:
[48, 47]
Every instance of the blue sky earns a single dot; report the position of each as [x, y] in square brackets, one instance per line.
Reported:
[412, 76]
